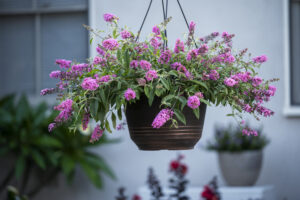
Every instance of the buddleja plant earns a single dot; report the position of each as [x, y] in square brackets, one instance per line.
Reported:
[197, 70]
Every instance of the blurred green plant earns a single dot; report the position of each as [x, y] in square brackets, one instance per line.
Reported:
[232, 139]
[24, 136]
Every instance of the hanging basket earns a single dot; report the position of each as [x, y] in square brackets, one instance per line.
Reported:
[140, 117]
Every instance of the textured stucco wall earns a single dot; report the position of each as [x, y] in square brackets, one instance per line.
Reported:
[258, 25]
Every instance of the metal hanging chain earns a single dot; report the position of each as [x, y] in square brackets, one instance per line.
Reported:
[165, 13]
[187, 24]
[137, 37]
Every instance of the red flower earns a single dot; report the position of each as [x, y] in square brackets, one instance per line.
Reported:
[174, 165]
[208, 194]
[184, 169]
[136, 197]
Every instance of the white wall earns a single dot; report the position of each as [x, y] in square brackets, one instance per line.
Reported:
[258, 25]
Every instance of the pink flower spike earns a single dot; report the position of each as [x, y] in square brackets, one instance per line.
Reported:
[109, 17]
[89, 84]
[97, 134]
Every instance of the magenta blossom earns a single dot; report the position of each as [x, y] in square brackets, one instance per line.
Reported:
[89, 84]
[179, 46]
[97, 134]
[80, 67]
[109, 17]
[47, 91]
[55, 74]
[155, 42]
[256, 81]
[65, 109]
[175, 65]
[230, 82]
[103, 79]
[203, 49]
[85, 121]
[145, 65]
[110, 44]
[134, 64]
[150, 75]
[100, 51]
[156, 30]
[192, 54]
[98, 60]
[126, 34]
[193, 102]
[129, 94]
[165, 57]
[63, 63]
[214, 75]
[260, 59]
[199, 95]
[51, 127]
[162, 117]
[192, 27]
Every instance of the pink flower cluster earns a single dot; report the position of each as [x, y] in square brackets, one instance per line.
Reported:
[126, 34]
[145, 65]
[63, 63]
[260, 59]
[230, 82]
[156, 30]
[248, 131]
[47, 91]
[192, 54]
[85, 121]
[165, 57]
[192, 27]
[224, 58]
[150, 75]
[99, 60]
[110, 44]
[80, 67]
[89, 84]
[193, 102]
[179, 46]
[214, 75]
[182, 69]
[65, 109]
[162, 117]
[203, 49]
[109, 17]
[155, 42]
[97, 134]
[129, 94]
[55, 74]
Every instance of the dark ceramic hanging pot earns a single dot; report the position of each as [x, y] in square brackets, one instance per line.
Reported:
[140, 117]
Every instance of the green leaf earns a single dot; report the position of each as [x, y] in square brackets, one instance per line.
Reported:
[20, 166]
[196, 112]
[68, 165]
[94, 108]
[205, 101]
[180, 116]
[200, 83]
[107, 126]
[165, 83]
[38, 158]
[151, 98]
[147, 91]
[92, 174]
[100, 163]
[120, 113]
[91, 40]
[114, 119]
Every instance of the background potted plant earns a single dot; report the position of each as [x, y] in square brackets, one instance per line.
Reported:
[163, 91]
[39, 157]
[240, 155]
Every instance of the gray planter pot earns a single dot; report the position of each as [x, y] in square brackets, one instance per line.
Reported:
[241, 168]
